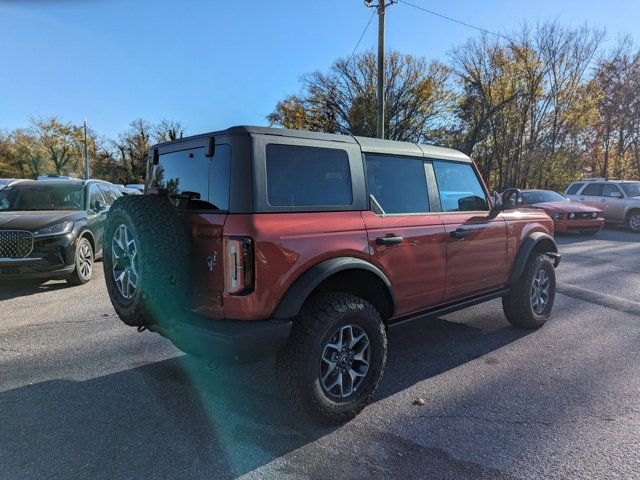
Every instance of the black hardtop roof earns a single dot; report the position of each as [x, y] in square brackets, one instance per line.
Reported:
[368, 145]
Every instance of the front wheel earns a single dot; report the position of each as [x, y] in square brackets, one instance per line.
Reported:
[530, 302]
[335, 357]
[84, 259]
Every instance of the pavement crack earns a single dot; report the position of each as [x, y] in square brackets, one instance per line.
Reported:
[550, 423]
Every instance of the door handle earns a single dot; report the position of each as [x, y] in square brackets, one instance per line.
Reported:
[388, 240]
[461, 233]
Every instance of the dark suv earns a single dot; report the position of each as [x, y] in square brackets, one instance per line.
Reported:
[253, 241]
[53, 228]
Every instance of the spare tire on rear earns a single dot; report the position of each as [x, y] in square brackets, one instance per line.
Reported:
[146, 258]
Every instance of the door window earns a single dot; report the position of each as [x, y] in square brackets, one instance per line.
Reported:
[96, 200]
[107, 193]
[593, 189]
[398, 184]
[460, 189]
[611, 190]
[573, 188]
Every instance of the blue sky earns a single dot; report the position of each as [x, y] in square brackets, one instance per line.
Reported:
[212, 64]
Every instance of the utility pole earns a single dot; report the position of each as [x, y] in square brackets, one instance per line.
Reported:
[381, 6]
[86, 152]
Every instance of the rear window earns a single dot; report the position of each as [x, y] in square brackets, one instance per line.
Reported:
[307, 176]
[573, 188]
[195, 181]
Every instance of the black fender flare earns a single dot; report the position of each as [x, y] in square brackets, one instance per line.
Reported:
[300, 290]
[528, 246]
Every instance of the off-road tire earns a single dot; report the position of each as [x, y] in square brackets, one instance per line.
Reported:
[163, 258]
[298, 363]
[517, 305]
[76, 277]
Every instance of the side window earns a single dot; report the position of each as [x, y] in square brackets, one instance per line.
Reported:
[307, 176]
[107, 193]
[573, 188]
[399, 184]
[115, 191]
[96, 200]
[593, 189]
[460, 189]
[611, 190]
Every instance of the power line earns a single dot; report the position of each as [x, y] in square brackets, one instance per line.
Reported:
[361, 37]
[484, 30]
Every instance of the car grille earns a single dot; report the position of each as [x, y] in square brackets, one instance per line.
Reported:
[582, 216]
[15, 243]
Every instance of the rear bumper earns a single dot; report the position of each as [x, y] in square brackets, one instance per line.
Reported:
[226, 340]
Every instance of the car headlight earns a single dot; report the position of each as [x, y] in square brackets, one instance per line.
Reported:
[594, 215]
[556, 216]
[57, 229]
[572, 216]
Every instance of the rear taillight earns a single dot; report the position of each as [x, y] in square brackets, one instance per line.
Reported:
[238, 270]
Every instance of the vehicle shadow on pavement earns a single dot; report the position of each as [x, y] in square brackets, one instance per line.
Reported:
[179, 419]
[23, 288]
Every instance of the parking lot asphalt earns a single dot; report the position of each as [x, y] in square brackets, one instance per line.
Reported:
[83, 396]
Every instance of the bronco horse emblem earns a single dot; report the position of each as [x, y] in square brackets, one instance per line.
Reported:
[212, 260]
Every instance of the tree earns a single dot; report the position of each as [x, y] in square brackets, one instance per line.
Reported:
[133, 147]
[62, 142]
[168, 131]
[525, 102]
[343, 100]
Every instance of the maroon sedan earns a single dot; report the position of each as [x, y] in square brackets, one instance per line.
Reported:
[567, 216]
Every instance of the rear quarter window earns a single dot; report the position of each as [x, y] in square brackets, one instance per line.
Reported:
[307, 176]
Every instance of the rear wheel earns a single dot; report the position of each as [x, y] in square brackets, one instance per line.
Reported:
[633, 221]
[84, 259]
[530, 301]
[146, 254]
[335, 357]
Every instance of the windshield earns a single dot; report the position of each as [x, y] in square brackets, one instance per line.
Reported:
[542, 197]
[42, 197]
[631, 189]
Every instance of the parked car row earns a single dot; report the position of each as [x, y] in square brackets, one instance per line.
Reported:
[52, 227]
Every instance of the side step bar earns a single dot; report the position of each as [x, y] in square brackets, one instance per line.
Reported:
[451, 307]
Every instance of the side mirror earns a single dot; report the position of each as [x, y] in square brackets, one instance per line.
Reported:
[98, 206]
[511, 198]
[497, 206]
